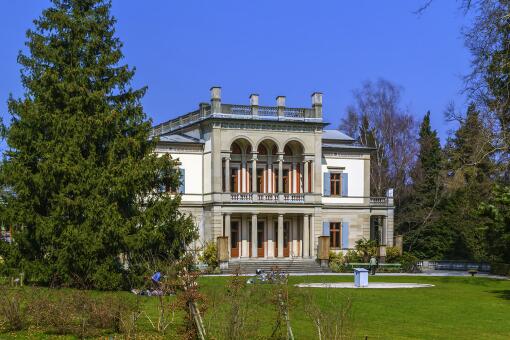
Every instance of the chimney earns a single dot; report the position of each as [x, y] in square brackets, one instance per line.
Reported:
[215, 99]
[280, 103]
[317, 104]
[254, 102]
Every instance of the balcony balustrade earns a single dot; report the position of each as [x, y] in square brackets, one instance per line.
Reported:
[379, 201]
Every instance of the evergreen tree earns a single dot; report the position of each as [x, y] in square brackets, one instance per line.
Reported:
[80, 163]
[471, 172]
[423, 235]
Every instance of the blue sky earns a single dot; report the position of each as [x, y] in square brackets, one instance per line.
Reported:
[291, 48]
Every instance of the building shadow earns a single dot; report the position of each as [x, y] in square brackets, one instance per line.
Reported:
[502, 294]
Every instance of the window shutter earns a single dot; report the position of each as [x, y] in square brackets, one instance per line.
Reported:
[182, 180]
[327, 184]
[345, 184]
[345, 235]
[325, 228]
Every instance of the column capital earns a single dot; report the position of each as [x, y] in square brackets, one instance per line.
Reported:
[227, 213]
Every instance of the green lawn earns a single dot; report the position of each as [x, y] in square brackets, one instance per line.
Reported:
[456, 308]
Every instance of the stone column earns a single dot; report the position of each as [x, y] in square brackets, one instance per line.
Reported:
[306, 236]
[305, 179]
[244, 237]
[295, 235]
[254, 173]
[293, 175]
[227, 231]
[280, 174]
[254, 235]
[280, 235]
[312, 176]
[227, 174]
[270, 237]
[312, 235]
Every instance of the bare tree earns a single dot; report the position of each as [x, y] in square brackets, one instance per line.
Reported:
[378, 119]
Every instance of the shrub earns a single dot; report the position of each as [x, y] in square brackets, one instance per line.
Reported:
[79, 313]
[500, 269]
[336, 257]
[409, 263]
[13, 314]
[209, 255]
[352, 256]
[366, 248]
[392, 254]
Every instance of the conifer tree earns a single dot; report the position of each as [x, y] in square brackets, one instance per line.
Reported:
[81, 164]
[471, 172]
[423, 235]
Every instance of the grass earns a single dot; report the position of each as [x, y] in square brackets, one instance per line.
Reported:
[456, 308]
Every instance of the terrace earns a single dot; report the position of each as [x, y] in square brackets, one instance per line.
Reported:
[216, 109]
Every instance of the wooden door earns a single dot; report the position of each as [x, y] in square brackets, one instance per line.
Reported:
[234, 239]
[260, 239]
[286, 238]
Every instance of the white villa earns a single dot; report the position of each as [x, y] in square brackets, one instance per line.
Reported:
[272, 179]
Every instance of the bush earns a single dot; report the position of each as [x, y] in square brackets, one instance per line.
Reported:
[500, 269]
[409, 263]
[62, 312]
[336, 257]
[392, 255]
[352, 256]
[210, 255]
[13, 314]
[366, 248]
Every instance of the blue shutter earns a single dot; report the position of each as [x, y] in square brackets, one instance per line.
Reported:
[327, 184]
[182, 180]
[325, 228]
[345, 235]
[345, 184]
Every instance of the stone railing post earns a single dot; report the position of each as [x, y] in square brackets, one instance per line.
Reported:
[317, 104]
[280, 103]
[254, 102]
[215, 99]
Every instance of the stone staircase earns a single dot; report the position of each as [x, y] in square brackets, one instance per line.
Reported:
[296, 265]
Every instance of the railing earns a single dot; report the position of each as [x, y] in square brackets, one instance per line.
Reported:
[294, 112]
[243, 197]
[268, 111]
[294, 198]
[240, 110]
[379, 201]
[234, 109]
[267, 197]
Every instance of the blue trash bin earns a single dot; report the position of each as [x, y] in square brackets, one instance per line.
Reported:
[360, 277]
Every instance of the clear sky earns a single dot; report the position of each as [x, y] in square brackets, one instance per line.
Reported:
[287, 47]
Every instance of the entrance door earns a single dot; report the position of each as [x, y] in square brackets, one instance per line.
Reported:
[260, 239]
[286, 238]
[234, 239]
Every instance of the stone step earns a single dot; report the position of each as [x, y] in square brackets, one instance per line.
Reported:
[298, 265]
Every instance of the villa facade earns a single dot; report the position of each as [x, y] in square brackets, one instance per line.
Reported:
[272, 179]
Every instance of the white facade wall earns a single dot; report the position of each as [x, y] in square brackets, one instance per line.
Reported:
[355, 170]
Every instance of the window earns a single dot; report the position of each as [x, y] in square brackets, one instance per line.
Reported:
[334, 235]
[336, 186]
